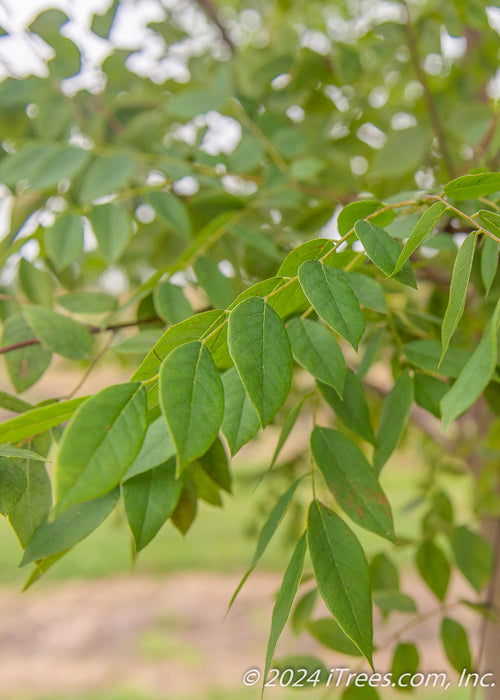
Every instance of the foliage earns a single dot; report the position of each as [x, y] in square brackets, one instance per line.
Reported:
[349, 232]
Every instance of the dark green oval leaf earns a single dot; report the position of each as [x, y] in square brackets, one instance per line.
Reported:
[191, 399]
[352, 481]
[259, 347]
[395, 413]
[318, 351]
[341, 572]
[149, 499]
[333, 300]
[100, 443]
[69, 528]
[384, 252]
[241, 421]
[458, 290]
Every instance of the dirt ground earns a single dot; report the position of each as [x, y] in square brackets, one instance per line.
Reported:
[165, 635]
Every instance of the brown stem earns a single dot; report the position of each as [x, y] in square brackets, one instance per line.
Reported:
[91, 329]
[211, 11]
[489, 602]
[90, 367]
[428, 96]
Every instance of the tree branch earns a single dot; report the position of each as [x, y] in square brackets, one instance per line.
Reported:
[91, 329]
[428, 96]
[211, 11]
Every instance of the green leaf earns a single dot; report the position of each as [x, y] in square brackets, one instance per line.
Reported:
[259, 346]
[185, 512]
[111, 225]
[171, 303]
[352, 480]
[317, 350]
[26, 365]
[384, 575]
[189, 103]
[285, 598]
[424, 226]
[191, 399]
[64, 240]
[434, 568]
[58, 333]
[34, 506]
[19, 453]
[37, 284]
[458, 290]
[138, 344]
[215, 464]
[100, 443]
[341, 572]
[475, 376]
[474, 556]
[43, 165]
[384, 252]
[472, 186]
[389, 601]
[402, 154]
[333, 300]
[37, 420]
[287, 428]
[328, 633]
[13, 403]
[360, 692]
[106, 174]
[428, 392]
[425, 354]
[265, 536]
[316, 671]
[352, 409]
[303, 611]
[12, 484]
[171, 210]
[489, 263]
[373, 348]
[156, 449]
[395, 413]
[367, 290]
[69, 528]
[456, 645]
[310, 250]
[404, 663]
[354, 211]
[490, 220]
[150, 498]
[87, 302]
[241, 421]
[218, 288]
[191, 329]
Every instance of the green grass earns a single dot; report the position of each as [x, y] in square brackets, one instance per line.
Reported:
[254, 694]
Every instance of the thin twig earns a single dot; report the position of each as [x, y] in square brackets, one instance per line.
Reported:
[211, 11]
[91, 366]
[91, 329]
[428, 96]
